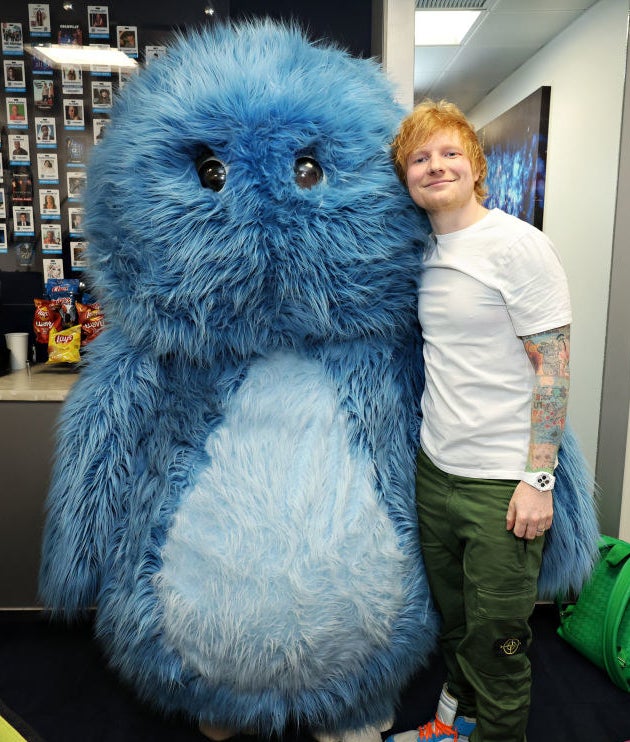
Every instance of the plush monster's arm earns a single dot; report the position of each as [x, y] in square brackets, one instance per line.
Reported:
[101, 423]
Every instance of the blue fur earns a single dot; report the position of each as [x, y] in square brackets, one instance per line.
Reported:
[571, 543]
[204, 293]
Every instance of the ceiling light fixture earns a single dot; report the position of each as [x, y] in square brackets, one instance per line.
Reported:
[443, 27]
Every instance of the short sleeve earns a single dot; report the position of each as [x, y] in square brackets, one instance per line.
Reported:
[534, 285]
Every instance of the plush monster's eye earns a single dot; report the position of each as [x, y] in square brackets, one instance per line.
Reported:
[212, 172]
[308, 172]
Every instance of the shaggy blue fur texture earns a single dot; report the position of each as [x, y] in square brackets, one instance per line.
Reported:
[234, 487]
[234, 479]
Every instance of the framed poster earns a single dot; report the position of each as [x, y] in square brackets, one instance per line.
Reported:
[515, 144]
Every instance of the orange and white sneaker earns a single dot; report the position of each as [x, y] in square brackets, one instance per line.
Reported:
[437, 731]
[446, 727]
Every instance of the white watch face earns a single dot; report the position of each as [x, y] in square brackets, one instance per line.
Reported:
[541, 480]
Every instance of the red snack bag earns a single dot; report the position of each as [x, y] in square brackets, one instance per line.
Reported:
[91, 319]
[45, 319]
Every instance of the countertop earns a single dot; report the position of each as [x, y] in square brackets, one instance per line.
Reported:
[42, 384]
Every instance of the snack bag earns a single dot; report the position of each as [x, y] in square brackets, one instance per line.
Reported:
[46, 318]
[63, 345]
[91, 319]
[62, 287]
[65, 305]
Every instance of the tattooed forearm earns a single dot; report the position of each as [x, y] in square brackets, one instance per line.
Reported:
[549, 354]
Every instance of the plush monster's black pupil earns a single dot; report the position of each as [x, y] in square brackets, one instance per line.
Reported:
[211, 172]
[308, 172]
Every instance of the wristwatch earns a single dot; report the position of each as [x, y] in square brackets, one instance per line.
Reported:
[540, 480]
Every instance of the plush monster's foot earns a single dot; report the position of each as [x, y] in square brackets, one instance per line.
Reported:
[218, 734]
[368, 734]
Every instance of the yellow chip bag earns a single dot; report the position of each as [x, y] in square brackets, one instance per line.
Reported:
[63, 345]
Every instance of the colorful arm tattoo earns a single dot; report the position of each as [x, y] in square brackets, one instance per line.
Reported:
[549, 353]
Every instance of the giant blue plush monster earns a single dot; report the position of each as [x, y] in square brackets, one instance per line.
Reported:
[233, 487]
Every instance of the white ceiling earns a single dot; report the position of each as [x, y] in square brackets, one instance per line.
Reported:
[506, 35]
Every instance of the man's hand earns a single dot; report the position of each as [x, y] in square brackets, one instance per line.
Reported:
[530, 512]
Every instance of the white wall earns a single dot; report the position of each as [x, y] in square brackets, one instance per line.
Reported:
[397, 48]
[585, 66]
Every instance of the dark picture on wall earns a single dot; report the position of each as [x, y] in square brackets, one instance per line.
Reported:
[515, 144]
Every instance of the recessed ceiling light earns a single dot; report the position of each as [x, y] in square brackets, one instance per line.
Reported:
[443, 27]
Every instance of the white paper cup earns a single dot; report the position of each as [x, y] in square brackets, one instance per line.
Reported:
[17, 343]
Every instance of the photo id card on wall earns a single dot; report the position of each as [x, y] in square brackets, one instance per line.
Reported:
[78, 254]
[43, 94]
[100, 70]
[14, 76]
[52, 268]
[75, 218]
[45, 132]
[19, 149]
[71, 79]
[38, 20]
[98, 21]
[47, 167]
[23, 221]
[101, 95]
[98, 126]
[17, 113]
[151, 53]
[41, 67]
[49, 204]
[73, 113]
[127, 38]
[75, 152]
[12, 39]
[76, 184]
[51, 238]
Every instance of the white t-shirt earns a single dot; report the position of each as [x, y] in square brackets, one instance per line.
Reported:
[482, 288]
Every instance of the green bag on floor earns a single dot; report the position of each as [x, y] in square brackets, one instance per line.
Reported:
[598, 623]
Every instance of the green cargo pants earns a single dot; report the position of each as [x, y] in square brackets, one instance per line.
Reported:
[483, 580]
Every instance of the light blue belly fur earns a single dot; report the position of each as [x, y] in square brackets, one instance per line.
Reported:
[281, 567]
